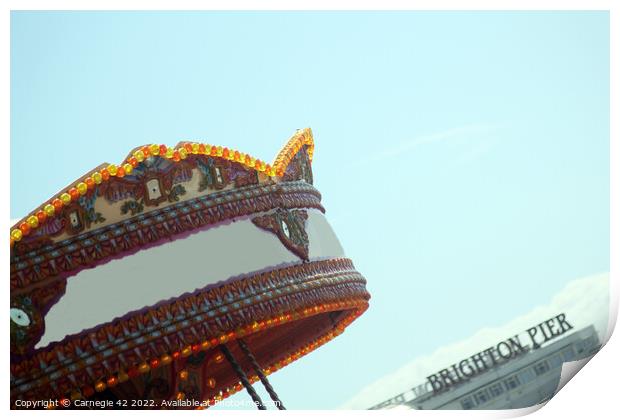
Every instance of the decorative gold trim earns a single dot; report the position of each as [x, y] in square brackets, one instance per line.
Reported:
[176, 154]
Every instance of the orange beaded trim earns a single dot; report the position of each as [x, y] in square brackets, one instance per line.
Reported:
[288, 152]
[180, 152]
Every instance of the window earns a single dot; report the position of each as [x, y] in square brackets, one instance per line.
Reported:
[496, 389]
[555, 361]
[526, 375]
[580, 347]
[482, 397]
[512, 382]
[568, 354]
[541, 368]
[467, 403]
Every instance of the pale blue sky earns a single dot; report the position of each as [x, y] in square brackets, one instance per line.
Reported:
[463, 158]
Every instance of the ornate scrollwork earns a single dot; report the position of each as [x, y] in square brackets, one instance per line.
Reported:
[175, 192]
[289, 227]
[27, 315]
[299, 167]
[87, 202]
[213, 175]
[132, 206]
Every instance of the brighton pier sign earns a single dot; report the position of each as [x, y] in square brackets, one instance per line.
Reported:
[502, 352]
[498, 354]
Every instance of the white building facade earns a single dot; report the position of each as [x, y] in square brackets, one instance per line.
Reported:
[523, 381]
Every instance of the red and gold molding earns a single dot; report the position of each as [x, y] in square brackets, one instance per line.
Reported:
[282, 314]
[178, 153]
[89, 249]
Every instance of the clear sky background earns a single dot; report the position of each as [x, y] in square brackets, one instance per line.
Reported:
[463, 157]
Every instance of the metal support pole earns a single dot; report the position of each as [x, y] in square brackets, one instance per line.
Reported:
[244, 379]
[261, 375]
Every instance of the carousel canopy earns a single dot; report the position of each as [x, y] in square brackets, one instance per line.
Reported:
[183, 273]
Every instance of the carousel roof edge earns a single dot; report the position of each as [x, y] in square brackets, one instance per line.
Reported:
[105, 171]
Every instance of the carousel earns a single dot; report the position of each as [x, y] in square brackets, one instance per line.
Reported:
[184, 274]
